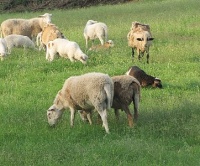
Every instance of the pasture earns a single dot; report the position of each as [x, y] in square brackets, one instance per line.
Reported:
[167, 131]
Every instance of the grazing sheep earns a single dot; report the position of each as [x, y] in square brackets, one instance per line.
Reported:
[93, 30]
[107, 45]
[39, 41]
[140, 38]
[126, 91]
[27, 27]
[144, 79]
[18, 41]
[3, 48]
[49, 33]
[86, 92]
[66, 49]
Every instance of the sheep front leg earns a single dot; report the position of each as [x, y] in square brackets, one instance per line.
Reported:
[72, 110]
[148, 57]
[132, 52]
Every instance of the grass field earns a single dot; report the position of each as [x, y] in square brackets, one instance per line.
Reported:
[168, 129]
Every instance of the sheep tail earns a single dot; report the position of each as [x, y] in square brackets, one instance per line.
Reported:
[109, 92]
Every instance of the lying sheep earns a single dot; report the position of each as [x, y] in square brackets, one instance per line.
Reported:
[86, 92]
[107, 45]
[126, 91]
[144, 79]
[3, 48]
[93, 30]
[140, 38]
[27, 27]
[49, 33]
[66, 49]
[18, 41]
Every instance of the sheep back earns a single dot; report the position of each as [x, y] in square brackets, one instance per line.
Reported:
[88, 91]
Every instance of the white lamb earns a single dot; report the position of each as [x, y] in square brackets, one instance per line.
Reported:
[93, 30]
[85, 92]
[18, 41]
[27, 27]
[66, 49]
[3, 48]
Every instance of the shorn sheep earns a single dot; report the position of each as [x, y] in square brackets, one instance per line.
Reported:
[140, 38]
[107, 45]
[93, 30]
[66, 49]
[144, 79]
[27, 27]
[85, 92]
[126, 91]
[18, 41]
[3, 48]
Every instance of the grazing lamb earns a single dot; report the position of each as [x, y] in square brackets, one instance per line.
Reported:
[93, 30]
[27, 27]
[86, 92]
[3, 48]
[144, 79]
[49, 33]
[140, 38]
[107, 45]
[39, 41]
[18, 41]
[66, 49]
[126, 91]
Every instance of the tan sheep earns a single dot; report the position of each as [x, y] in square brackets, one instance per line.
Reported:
[107, 45]
[140, 38]
[26, 27]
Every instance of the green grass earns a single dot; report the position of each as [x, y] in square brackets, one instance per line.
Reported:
[168, 128]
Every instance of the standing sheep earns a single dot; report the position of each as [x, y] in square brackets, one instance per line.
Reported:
[86, 92]
[27, 27]
[144, 79]
[3, 48]
[140, 38]
[66, 49]
[126, 91]
[18, 41]
[93, 30]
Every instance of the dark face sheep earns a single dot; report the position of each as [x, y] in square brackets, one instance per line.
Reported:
[144, 79]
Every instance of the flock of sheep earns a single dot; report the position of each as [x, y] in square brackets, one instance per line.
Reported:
[91, 91]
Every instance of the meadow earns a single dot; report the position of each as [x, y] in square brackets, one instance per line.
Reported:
[167, 131]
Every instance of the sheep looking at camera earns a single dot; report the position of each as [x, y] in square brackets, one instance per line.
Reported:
[86, 92]
[3, 48]
[93, 30]
[18, 41]
[140, 38]
[26, 27]
[144, 79]
[66, 49]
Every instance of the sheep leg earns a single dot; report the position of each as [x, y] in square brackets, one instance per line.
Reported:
[147, 57]
[117, 114]
[129, 115]
[103, 115]
[132, 52]
[72, 116]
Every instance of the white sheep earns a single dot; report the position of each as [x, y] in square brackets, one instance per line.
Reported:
[66, 49]
[18, 41]
[93, 30]
[140, 38]
[126, 91]
[107, 45]
[27, 27]
[39, 41]
[85, 92]
[3, 48]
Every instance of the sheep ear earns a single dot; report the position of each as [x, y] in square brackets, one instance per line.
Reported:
[151, 38]
[140, 39]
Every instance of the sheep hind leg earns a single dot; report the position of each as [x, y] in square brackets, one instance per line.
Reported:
[103, 114]
[129, 115]
[136, 100]
[132, 54]
[147, 57]
[117, 114]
